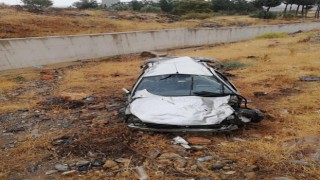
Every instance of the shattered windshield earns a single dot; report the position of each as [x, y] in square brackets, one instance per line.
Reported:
[183, 85]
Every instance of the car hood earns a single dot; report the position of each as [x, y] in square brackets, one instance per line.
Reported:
[181, 111]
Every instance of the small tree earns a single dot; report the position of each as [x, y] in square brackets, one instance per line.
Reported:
[166, 5]
[221, 5]
[271, 3]
[37, 3]
[267, 3]
[85, 4]
[136, 5]
[306, 5]
[191, 6]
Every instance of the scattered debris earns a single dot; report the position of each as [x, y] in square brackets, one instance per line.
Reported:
[97, 163]
[309, 78]
[83, 165]
[169, 156]
[269, 138]
[258, 94]
[181, 141]
[123, 160]
[16, 128]
[70, 173]
[251, 57]
[51, 172]
[239, 139]
[62, 167]
[301, 163]
[73, 96]
[284, 112]
[153, 54]
[205, 158]
[305, 148]
[63, 140]
[282, 178]
[230, 172]
[216, 167]
[177, 149]
[142, 173]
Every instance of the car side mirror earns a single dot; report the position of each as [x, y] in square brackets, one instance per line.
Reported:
[126, 90]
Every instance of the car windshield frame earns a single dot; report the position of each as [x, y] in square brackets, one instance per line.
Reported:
[188, 83]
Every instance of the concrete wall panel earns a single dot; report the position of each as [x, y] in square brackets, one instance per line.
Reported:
[27, 52]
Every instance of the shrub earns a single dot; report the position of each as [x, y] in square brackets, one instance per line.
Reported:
[136, 5]
[20, 78]
[85, 4]
[120, 6]
[197, 16]
[272, 35]
[289, 15]
[233, 64]
[150, 9]
[265, 15]
[37, 3]
[166, 5]
[187, 6]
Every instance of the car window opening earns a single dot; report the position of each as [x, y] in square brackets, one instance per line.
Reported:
[184, 85]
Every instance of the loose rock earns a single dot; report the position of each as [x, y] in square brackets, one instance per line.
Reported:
[123, 160]
[250, 175]
[82, 163]
[61, 167]
[252, 168]
[73, 96]
[204, 159]
[154, 153]
[51, 172]
[282, 178]
[170, 156]
[216, 167]
[230, 172]
[97, 163]
[69, 173]
[109, 164]
[180, 163]
[177, 149]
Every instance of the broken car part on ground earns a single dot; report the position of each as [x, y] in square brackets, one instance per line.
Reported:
[186, 94]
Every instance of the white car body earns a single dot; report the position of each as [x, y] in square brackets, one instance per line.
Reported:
[179, 109]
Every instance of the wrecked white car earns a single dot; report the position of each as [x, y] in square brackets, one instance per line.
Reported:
[186, 94]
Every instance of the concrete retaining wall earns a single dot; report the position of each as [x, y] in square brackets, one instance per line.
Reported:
[26, 52]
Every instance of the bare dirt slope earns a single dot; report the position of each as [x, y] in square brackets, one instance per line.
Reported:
[42, 126]
[18, 23]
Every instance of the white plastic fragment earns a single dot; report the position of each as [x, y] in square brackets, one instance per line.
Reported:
[179, 140]
[186, 146]
[142, 173]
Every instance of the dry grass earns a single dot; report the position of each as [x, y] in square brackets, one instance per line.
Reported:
[102, 77]
[275, 68]
[16, 23]
[278, 65]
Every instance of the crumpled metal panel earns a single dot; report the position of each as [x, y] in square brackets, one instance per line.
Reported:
[182, 111]
[180, 65]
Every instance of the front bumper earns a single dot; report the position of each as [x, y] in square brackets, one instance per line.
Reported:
[183, 129]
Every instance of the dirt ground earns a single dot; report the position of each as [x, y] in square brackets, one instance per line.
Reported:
[15, 22]
[70, 116]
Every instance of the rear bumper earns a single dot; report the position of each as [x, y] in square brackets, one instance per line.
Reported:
[184, 129]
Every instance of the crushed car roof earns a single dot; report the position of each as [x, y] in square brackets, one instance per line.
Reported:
[180, 65]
